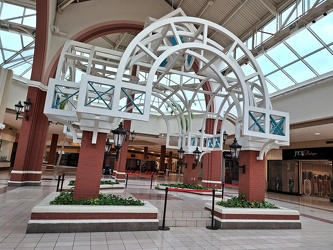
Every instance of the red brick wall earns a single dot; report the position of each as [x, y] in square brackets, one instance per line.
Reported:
[89, 168]
[252, 183]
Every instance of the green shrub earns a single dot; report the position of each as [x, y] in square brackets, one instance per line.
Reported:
[180, 185]
[66, 198]
[241, 202]
[105, 182]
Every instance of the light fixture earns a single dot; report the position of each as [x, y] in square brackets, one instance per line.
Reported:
[197, 154]
[235, 149]
[19, 107]
[181, 152]
[225, 137]
[119, 136]
[133, 135]
[108, 145]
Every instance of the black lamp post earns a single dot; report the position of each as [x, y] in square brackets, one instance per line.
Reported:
[196, 153]
[133, 135]
[19, 107]
[235, 149]
[225, 137]
[119, 135]
[107, 158]
[181, 152]
[108, 145]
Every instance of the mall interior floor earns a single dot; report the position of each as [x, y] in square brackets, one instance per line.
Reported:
[16, 204]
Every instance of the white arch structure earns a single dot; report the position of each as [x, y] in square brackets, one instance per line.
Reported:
[175, 45]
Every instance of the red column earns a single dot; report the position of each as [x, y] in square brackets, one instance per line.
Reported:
[252, 183]
[190, 174]
[31, 146]
[170, 161]
[162, 158]
[145, 153]
[212, 170]
[27, 169]
[89, 169]
[52, 153]
[121, 166]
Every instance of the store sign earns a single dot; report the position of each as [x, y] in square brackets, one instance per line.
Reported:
[304, 153]
[308, 154]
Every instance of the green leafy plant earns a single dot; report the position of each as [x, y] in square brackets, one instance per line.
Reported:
[181, 185]
[66, 198]
[241, 202]
[105, 182]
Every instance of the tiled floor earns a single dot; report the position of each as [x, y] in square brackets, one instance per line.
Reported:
[16, 204]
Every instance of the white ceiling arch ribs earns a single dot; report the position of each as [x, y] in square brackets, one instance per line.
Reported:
[140, 48]
[164, 48]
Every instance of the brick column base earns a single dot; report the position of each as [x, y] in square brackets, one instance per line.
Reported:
[252, 183]
[89, 170]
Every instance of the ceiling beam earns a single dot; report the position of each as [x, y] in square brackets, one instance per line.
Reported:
[268, 5]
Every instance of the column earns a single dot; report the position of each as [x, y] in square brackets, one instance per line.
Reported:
[212, 170]
[27, 169]
[121, 167]
[252, 183]
[190, 174]
[52, 153]
[162, 158]
[88, 175]
[170, 162]
[5, 82]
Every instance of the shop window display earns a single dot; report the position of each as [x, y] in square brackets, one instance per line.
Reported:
[311, 178]
[316, 178]
[283, 176]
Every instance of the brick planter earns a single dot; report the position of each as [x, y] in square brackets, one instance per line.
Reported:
[46, 218]
[255, 218]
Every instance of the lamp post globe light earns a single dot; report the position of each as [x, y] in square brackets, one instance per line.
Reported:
[225, 137]
[196, 153]
[18, 109]
[119, 135]
[181, 152]
[235, 149]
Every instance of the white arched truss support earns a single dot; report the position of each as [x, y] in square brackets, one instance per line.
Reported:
[174, 45]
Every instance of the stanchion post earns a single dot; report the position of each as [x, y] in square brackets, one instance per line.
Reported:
[62, 182]
[222, 190]
[151, 182]
[163, 227]
[212, 227]
[59, 176]
[126, 180]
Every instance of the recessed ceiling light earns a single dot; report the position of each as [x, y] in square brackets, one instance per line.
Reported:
[317, 133]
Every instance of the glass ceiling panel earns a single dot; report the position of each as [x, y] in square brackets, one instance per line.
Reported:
[280, 80]
[266, 65]
[324, 27]
[304, 48]
[10, 40]
[282, 55]
[9, 11]
[299, 72]
[321, 61]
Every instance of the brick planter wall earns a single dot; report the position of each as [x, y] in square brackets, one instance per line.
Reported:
[47, 218]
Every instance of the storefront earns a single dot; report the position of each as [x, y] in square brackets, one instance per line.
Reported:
[302, 172]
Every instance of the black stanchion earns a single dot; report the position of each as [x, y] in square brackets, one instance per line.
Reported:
[126, 180]
[62, 182]
[212, 227]
[59, 176]
[163, 227]
[222, 190]
[151, 182]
